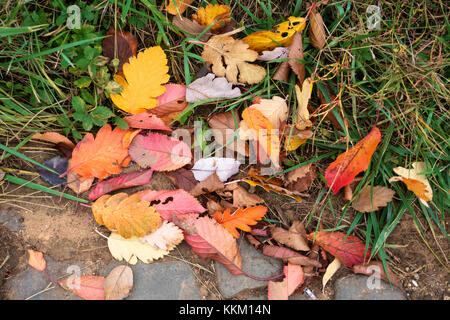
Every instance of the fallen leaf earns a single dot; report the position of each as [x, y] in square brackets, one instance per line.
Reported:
[209, 239]
[350, 251]
[376, 269]
[58, 164]
[292, 238]
[182, 178]
[274, 109]
[118, 283]
[331, 104]
[331, 270]
[289, 256]
[102, 156]
[347, 165]
[166, 237]
[171, 202]
[223, 167]
[277, 53]
[415, 181]
[296, 138]
[53, 137]
[144, 76]
[119, 44]
[127, 215]
[159, 152]
[191, 27]
[146, 120]
[243, 198]
[302, 115]
[370, 200]
[215, 14]
[127, 180]
[132, 249]
[300, 179]
[210, 184]
[210, 87]
[274, 188]
[282, 35]
[296, 54]
[36, 260]
[230, 58]
[177, 7]
[212, 207]
[283, 71]
[240, 219]
[74, 181]
[293, 278]
[86, 287]
[173, 99]
[316, 29]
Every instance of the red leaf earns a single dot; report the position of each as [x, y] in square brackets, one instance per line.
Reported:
[36, 260]
[160, 152]
[172, 202]
[355, 160]
[86, 287]
[127, 180]
[145, 120]
[350, 251]
[289, 255]
[282, 290]
[182, 178]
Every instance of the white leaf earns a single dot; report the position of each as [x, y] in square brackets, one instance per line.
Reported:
[165, 237]
[277, 53]
[223, 167]
[207, 87]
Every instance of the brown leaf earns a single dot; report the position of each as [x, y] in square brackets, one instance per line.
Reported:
[191, 27]
[376, 268]
[316, 29]
[121, 45]
[118, 283]
[289, 256]
[330, 115]
[182, 178]
[213, 207]
[282, 73]
[370, 200]
[295, 237]
[296, 52]
[210, 184]
[300, 179]
[55, 138]
[243, 198]
[314, 255]
[74, 182]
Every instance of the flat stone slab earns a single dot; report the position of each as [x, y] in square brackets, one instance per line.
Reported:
[254, 263]
[173, 280]
[355, 287]
[11, 220]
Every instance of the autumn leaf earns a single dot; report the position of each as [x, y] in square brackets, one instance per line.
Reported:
[289, 256]
[243, 198]
[240, 219]
[209, 87]
[293, 278]
[127, 180]
[296, 138]
[36, 260]
[270, 187]
[53, 137]
[296, 54]
[144, 76]
[300, 179]
[127, 215]
[274, 109]
[316, 29]
[295, 237]
[132, 249]
[192, 28]
[176, 7]
[415, 181]
[74, 181]
[166, 237]
[159, 152]
[230, 58]
[86, 287]
[182, 178]
[223, 167]
[282, 35]
[376, 269]
[102, 156]
[348, 249]
[215, 14]
[210, 184]
[332, 268]
[371, 199]
[146, 120]
[171, 101]
[119, 44]
[118, 283]
[302, 115]
[277, 53]
[348, 164]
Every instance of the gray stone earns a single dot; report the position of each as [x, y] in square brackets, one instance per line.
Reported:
[354, 287]
[11, 220]
[172, 280]
[253, 263]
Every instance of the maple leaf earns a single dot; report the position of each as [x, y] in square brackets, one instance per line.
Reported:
[166, 237]
[86, 287]
[102, 156]
[347, 165]
[127, 180]
[215, 14]
[36, 260]
[144, 76]
[302, 116]
[293, 278]
[121, 45]
[370, 200]
[176, 7]
[128, 215]
[348, 249]
[118, 283]
[172, 202]
[415, 181]
[132, 249]
[283, 34]
[209, 87]
[241, 219]
[230, 57]
[160, 152]
[209, 239]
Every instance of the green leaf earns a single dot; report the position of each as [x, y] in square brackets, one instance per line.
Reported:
[87, 123]
[83, 82]
[79, 105]
[102, 113]
[122, 124]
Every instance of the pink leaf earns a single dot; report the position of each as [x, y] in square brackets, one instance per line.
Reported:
[145, 120]
[173, 100]
[172, 202]
[160, 152]
[294, 277]
[86, 287]
[127, 180]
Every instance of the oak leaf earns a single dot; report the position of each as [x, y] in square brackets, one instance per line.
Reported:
[240, 219]
[166, 237]
[230, 57]
[370, 200]
[118, 283]
[215, 14]
[293, 278]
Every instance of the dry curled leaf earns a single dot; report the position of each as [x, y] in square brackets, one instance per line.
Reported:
[295, 237]
[240, 219]
[277, 53]
[216, 14]
[74, 181]
[210, 184]
[243, 198]
[296, 54]
[118, 283]
[300, 179]
[230, 58]
[370, 200]
[332, 268]
[289, 256]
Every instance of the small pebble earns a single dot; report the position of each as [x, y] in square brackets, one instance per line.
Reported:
[414, 282]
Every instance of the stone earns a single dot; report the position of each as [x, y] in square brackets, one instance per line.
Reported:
[354, 287]
[173, 280]
[11, 220]
[253, 263]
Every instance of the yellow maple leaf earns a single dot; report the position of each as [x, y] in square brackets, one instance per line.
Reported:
[216, 14]
[281, 36]
[144, 76]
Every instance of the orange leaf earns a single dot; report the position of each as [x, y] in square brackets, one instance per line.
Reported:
[36, 260]
[181, 5]
[102, 156]
[348, 164]
[241, 219]
[86, 287]
[54, 137]
[215, 14]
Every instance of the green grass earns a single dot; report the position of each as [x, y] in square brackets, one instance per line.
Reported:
[400, 71]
